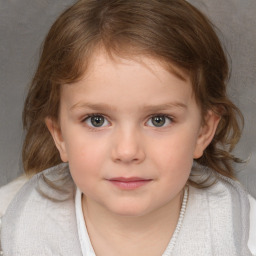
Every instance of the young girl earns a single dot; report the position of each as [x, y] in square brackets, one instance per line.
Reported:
[129, 139]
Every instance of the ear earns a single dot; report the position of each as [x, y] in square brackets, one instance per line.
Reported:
[206, 134]
[56, 133]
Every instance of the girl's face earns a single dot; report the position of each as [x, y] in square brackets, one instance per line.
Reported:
[130, 130]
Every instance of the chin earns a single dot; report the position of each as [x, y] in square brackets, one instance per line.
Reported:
[131, 210]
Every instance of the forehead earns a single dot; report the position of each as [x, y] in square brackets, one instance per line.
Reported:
[130, 56]
[129, 81]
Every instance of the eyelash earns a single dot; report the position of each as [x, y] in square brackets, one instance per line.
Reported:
[94, 115]
[170, 118]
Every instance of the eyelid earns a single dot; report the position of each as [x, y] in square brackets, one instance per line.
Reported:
[162, 114]
[167, 116]
[171, 119]
[92, 115]
[88, 116]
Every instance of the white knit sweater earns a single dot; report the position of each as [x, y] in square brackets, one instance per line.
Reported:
[217, 219]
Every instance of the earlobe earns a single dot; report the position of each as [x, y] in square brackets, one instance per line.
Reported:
[207, 133]
[56, 133]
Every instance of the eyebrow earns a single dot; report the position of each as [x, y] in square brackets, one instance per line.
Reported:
[148, 108]
[92, 106]
[165, 106]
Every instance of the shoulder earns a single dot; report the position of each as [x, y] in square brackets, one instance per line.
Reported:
[23, 185]
[8, 192]
[219, 187]
[243, 208]
[252, 233]
[229, 208]
[231, 194]
[42, 210]
[47, 184]
[243, 199]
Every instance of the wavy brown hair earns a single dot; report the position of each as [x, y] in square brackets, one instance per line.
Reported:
[172, 31]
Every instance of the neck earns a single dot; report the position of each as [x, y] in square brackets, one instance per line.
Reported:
[133, 235]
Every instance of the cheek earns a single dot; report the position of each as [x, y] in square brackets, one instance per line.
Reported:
[85, 148]
[178, 148]
[86, 157]
[173, 156]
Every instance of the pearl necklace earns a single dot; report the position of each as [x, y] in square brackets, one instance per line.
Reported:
[173, 241]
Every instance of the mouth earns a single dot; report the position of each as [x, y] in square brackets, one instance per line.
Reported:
[130, 183]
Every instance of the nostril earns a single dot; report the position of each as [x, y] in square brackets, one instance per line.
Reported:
[128, 156]
[127, 146]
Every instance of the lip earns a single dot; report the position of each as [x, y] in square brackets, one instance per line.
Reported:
[129, 183]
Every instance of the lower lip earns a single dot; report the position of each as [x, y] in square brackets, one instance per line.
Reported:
[130, 185]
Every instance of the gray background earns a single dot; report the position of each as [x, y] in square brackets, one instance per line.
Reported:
[24, 23]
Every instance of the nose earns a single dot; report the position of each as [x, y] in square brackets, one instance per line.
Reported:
[128, 147]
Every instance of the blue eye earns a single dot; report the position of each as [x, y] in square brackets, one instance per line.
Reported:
[159, 121]
[96, 121]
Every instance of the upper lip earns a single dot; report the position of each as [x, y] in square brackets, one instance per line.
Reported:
[129, 179]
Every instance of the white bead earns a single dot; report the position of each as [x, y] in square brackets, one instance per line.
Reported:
[179, 224]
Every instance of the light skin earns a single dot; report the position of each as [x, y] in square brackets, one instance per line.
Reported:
[133, 158]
